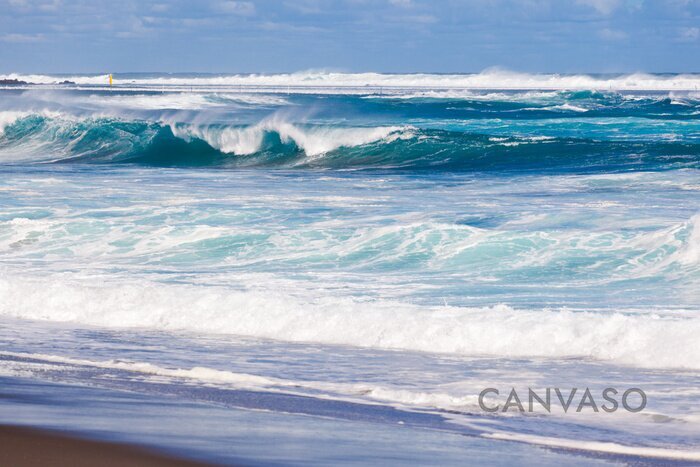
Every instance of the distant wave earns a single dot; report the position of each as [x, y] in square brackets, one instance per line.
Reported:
[488, 79]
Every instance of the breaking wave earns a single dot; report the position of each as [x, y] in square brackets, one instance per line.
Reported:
[644, 340]
[313, 141]
[42, 137]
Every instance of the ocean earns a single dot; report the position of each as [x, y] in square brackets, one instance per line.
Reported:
[340, 264]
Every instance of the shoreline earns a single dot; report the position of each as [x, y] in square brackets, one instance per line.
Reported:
[234, 426]
[24, 446]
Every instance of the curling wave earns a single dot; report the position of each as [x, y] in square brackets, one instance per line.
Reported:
[50, 137]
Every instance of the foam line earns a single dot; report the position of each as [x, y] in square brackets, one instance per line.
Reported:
[643, 340]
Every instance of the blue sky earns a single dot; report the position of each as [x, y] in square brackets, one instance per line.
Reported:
[349, 35]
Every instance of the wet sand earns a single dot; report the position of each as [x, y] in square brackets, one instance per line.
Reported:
[30, 447]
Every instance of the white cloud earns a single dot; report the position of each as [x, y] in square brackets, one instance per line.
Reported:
[17, 38]
[689, 34]
[39, 5]
[136, 27]
[160, 7]
[235, 7]
[402, 3]
[305, 7]
[612, 34]
[274, 26]
[603, 7]
[420, 19]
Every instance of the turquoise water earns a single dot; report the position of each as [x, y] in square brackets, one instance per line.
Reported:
[459, 238]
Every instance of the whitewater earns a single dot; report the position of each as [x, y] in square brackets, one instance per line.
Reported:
[385, 245]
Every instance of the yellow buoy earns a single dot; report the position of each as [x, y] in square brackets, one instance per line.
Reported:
[110, 79]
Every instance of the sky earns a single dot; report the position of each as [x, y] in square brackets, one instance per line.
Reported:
[265, 36]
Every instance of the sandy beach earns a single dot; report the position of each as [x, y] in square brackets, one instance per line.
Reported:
[31, 447]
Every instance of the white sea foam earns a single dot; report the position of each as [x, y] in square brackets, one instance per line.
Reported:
[178, 101]
[642, 340]
[458, 398]
[354, 391]
[488, 79]
[113, 103]
[453, 396]
[254, 99]
[48, 79]
[567, 107]
[689, 253]
[597, 446]
[465, 94]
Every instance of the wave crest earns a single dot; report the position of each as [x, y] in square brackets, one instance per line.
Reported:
[314, 141]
